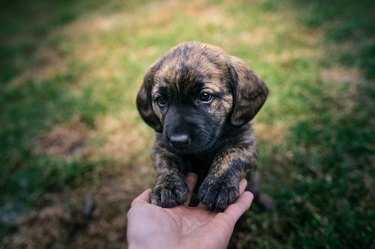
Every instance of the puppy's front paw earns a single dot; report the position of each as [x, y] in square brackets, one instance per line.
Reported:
[218, 193]
[170, 191]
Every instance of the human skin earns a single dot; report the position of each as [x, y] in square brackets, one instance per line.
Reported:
[150, 226]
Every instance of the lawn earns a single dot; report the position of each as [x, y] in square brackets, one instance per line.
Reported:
[74, 151]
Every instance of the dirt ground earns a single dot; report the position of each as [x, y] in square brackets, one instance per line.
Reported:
[90, 216]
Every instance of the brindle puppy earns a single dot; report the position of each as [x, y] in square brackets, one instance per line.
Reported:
[200, 102]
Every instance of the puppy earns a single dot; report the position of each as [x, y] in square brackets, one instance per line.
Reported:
[200, 102]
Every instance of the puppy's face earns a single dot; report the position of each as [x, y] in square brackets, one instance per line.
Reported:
[193, 90]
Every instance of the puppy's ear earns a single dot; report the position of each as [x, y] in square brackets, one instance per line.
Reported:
[249, 92]
[144, 100]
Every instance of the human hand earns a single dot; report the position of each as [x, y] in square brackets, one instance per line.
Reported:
[150, 226]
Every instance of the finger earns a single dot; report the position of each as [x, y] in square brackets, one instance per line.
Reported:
[243, 184]
[238, 208]
[191, 181]
[145, 197]
[201, 205]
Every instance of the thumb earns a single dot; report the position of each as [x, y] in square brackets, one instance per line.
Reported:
[238, 208]
[145, 197]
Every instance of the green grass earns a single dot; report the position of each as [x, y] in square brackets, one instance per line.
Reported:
[82, 62]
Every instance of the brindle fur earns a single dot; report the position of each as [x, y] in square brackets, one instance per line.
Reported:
[213, 138]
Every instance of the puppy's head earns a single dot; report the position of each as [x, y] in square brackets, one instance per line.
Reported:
[193, 90]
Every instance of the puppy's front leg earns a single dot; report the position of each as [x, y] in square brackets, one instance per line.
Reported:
[220, 188]
[170, 189]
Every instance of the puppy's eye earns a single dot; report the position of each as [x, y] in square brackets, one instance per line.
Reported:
[205, 97]
[161, 101]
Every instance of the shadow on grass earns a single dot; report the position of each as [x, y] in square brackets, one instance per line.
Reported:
[348, 23]
[327, 172]
[32, 106]
[26, 26]
[38, 156]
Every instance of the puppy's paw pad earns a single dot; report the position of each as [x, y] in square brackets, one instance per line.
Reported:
[218, 194]
[169, 192]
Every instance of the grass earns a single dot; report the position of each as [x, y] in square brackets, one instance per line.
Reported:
[68, 123]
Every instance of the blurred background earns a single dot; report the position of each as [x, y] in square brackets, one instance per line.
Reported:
[74, 151]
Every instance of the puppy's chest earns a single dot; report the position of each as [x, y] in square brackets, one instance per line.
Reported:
[198, 164]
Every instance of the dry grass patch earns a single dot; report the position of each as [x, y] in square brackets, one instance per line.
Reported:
[342, 75]
[89, 217]
[271, 133]
[122, 141]
[67, 140]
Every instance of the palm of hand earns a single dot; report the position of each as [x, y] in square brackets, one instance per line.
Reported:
[183, 227]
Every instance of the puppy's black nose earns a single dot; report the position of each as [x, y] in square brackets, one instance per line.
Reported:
[179, 140]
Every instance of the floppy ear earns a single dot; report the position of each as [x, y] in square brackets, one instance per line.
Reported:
[249, 92]
[144, 100]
